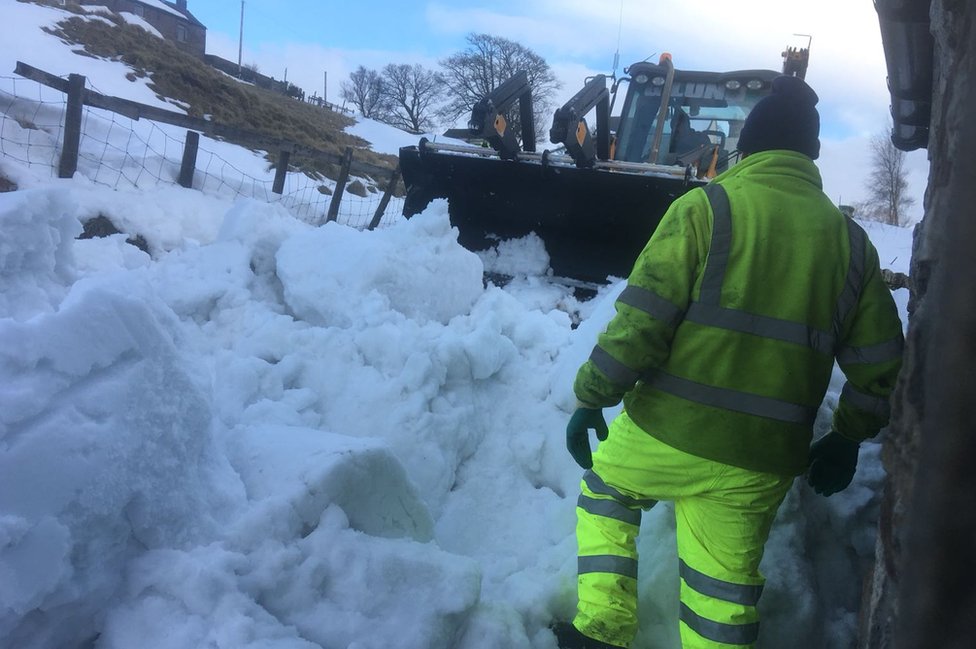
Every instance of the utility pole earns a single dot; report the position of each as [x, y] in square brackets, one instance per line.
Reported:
[240, 42]
[325, 87]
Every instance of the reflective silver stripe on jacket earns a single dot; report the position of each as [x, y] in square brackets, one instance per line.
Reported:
[747, 595]
[735, 634]
[610, 563]
[609, 508]
[708, 311]
[721, 244]
[759, 325]
[616, 371]
[596, 485]
[855, 278]
[652, 304]
[745, 402]
[887, 351]
[877, 406]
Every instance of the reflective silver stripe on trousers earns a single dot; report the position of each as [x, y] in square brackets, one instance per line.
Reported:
[615, 370]
[652, 304]
[746, 595]
[881, 353]
[721, 244]
[759, 325]
[877, 406]
[609, 563]
[750, 404]
[609, 509]
[596, 484]
[718, 631]
[855, 277]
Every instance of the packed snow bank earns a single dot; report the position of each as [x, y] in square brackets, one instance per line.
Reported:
[130, 513]
[305, 471]
[106, 452]
[36, 260]
[333, 550]
[384, 269]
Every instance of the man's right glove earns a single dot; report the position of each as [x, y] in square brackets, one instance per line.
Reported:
[578, 437]
[833, 459]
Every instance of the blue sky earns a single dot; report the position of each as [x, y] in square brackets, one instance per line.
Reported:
[318, 43]
[366, 24]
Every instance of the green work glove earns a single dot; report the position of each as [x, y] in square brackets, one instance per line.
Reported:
[833, 459]
[577, 434]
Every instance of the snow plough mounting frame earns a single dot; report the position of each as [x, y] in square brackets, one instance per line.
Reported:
[597, 197]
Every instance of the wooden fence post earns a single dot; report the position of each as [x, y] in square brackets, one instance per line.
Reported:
[189, 164]
[280, 171]
[378, 216]
[72, 126]
[340, 185]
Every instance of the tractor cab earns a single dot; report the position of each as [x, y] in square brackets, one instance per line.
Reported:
[672, 117]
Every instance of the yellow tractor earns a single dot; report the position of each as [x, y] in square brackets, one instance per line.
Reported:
[597, 197]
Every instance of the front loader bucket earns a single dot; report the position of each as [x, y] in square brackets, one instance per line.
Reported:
[594, 222]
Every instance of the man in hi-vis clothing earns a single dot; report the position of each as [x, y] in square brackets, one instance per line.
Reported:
[721, 349]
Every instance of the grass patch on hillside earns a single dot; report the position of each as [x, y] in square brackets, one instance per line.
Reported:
[180, 77]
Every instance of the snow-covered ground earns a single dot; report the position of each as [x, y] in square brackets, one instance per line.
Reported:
[269, 434]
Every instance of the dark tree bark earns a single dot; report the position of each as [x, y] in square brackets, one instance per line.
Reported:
[409, 95]
[364, 91]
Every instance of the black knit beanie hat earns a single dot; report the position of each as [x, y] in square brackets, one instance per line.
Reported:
[786, 119]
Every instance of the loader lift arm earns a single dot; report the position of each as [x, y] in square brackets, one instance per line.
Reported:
[488, 117]
[569, 124]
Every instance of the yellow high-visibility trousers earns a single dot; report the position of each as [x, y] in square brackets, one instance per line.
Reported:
[723, 515]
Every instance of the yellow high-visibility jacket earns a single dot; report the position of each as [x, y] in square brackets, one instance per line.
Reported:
[725, 337]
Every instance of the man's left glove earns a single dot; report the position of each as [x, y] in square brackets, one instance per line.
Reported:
[577, 434]
[833, 459]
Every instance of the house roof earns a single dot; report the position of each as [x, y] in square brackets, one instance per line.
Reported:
[170, 7]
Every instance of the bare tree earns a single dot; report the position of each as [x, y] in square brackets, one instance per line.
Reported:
[887, 185]
[364, 90]
[409, 94]
[487, 62]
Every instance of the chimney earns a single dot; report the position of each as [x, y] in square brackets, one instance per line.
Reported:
[181, 5]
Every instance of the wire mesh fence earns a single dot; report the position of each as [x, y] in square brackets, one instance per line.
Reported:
[31, 121]
[118, 152]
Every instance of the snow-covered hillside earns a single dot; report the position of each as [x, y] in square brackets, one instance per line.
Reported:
[269, 434]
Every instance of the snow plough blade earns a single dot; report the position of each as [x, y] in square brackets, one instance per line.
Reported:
[597, 198]
[594, 222]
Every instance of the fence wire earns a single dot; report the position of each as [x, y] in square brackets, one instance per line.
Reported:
[118, 152]
[31, 122]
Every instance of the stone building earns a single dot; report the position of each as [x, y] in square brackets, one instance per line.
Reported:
[172, 19]
[923, 590]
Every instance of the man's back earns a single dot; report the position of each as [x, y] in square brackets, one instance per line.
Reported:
[762, 302]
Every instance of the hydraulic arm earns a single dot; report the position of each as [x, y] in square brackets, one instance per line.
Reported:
[569, 125]
[488, 117]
